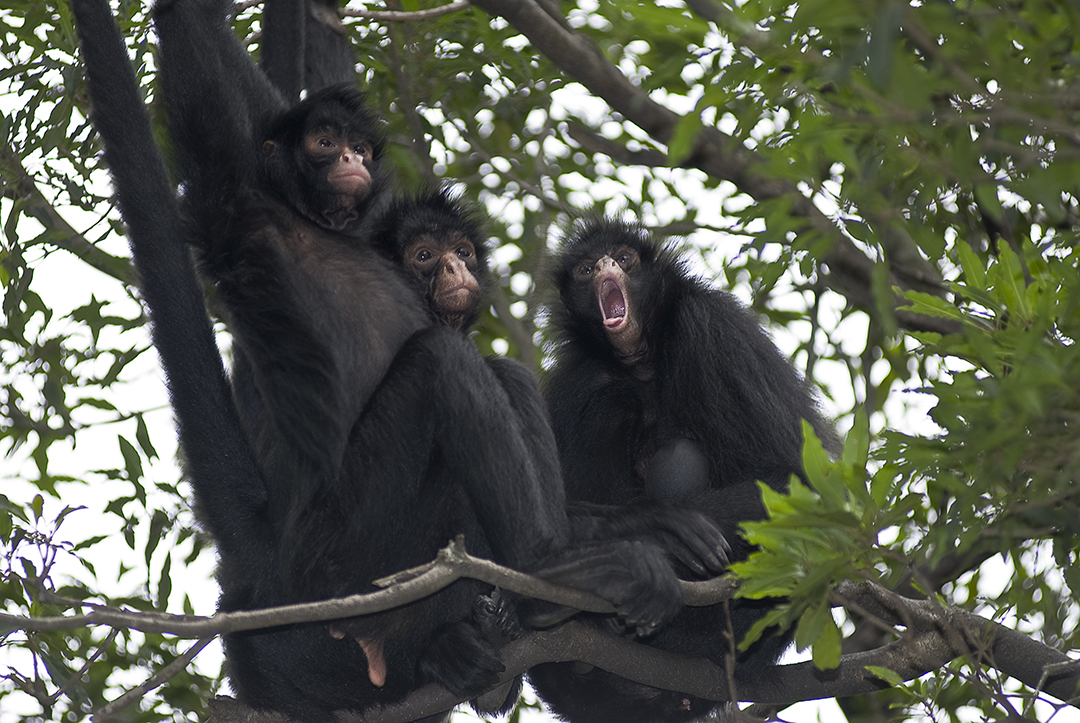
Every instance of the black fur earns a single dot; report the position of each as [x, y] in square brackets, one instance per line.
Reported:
[694, 415]
[444, 216]
[356, 439]
[685, 535]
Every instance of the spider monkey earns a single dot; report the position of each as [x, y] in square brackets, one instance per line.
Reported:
[308, 460]
[664, 390]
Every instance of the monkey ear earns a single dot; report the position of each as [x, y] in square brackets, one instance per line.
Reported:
[269, 148]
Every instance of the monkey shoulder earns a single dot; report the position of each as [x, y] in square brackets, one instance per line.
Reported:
[588, 394]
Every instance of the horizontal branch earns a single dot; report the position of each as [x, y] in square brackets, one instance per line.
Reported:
[935, 635]
[451, 564]
[942, 633]
[399, 16]
[108, 712]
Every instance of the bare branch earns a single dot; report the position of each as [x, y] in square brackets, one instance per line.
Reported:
[594, 143]
[983, 641]
[106, 713]
[397, 16]
[924, 648]
[935, 634]
[451, 564]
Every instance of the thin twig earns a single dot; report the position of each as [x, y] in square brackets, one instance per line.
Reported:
[452, 564]
[400, 16]
[107, 711]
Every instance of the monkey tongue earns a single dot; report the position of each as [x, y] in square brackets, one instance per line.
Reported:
[612, 303]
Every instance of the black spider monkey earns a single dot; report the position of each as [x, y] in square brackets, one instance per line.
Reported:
[664, 389]
[335, 387]
[438, 239]
[304, 489]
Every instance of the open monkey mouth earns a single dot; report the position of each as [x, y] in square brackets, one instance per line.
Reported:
[612, 303]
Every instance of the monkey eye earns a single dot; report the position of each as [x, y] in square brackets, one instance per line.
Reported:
[464, 252]
[423, 255]
[325, 142]
[362, 149]
[626, 258]
[584, 269]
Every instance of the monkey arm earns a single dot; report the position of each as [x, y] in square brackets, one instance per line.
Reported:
[216, 97]
[724, 379]
[218, 460]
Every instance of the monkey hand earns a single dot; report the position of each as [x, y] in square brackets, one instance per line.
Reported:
[462, 660]
[633, 575]
[652, 595]
[496, 616]
[691, 538]
[687, 536]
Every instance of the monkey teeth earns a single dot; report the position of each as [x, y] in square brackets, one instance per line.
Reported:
[612, 303]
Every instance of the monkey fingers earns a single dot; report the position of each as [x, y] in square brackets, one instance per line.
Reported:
[496, 615]
[693, 539]
[688, 536]
[634, 576]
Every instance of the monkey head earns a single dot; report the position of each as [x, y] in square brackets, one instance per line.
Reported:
[609, 281]
[447, 264]
[345, 162]
[323, 157]
[437, 239]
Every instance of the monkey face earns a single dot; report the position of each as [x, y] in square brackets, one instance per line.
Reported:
[608, 279]
[448, 266]
[345, 161]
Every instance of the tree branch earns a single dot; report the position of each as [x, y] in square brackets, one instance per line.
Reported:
[714, 152]
[451, 564]
[934, 635]
[107, 712]
[401, 16]
[19, 185]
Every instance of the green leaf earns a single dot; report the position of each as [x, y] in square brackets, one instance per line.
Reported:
[819, 470]
[142, 436]
[857, 445]
[885, 674]
[775, 617]
[37, 505]
[1008, 278]
[132, 462]
[682, 140]
[931, 305]
[157, 527]
[826, 654]
[974, 271]
[165, 583]
[811, 625]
